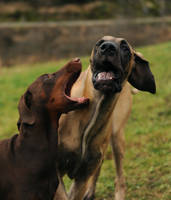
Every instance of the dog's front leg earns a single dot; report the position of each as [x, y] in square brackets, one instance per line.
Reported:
[80, 187]
[119, 119]
[117, 142]
[61, 192]
[78, 190]
[90, 193]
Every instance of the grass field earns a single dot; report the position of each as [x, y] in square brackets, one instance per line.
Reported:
[147, 161]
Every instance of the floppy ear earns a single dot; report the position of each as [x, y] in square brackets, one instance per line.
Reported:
[26, 115]
[141, 76]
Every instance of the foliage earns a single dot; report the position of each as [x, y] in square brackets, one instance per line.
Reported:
[55, 10]
[148, 139]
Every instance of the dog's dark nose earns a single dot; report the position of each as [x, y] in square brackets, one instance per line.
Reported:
[108, 48]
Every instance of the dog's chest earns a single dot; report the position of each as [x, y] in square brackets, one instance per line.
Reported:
[79, 148]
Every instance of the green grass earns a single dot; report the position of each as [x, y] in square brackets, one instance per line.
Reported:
[147, 163]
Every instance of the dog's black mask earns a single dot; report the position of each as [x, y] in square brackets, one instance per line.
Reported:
[108, 64]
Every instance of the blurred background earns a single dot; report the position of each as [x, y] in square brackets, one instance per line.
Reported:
[40, 36]
[57, 10]
[40, 30]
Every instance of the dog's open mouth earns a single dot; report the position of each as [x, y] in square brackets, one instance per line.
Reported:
[107, 81]
[76, 70]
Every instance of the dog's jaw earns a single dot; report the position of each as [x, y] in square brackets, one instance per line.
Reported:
[106, 78]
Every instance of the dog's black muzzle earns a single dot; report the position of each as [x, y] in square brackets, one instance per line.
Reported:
[107, 70]
[107, 48]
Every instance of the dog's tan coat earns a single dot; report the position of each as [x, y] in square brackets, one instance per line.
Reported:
[91, 129]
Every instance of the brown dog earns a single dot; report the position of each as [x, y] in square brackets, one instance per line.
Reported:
[28, 160]
[85, 134]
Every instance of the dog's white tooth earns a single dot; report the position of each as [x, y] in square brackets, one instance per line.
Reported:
[110, 75]
[105, 76]
[101, 76]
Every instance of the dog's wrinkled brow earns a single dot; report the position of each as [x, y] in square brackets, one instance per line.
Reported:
[99, 42]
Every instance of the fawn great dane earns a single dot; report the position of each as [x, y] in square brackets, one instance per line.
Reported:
[85, 134]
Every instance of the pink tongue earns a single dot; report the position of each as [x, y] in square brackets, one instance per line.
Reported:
[105, 76]
[82, 99]
[78, 99]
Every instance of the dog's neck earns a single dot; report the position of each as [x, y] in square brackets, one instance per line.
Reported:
[40, 136]
[102, 106]
[33, 155]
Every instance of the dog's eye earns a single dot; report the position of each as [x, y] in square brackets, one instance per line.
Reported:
[48, 77]
[125, 50]
[125, 53]
[124, 46]
[52, 75]
[99, 42]
[45, 77]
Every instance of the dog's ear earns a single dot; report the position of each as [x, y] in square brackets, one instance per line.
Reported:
[25, 111]
[141, 76]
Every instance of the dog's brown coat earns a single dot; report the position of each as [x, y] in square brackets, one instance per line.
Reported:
[28, 159]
